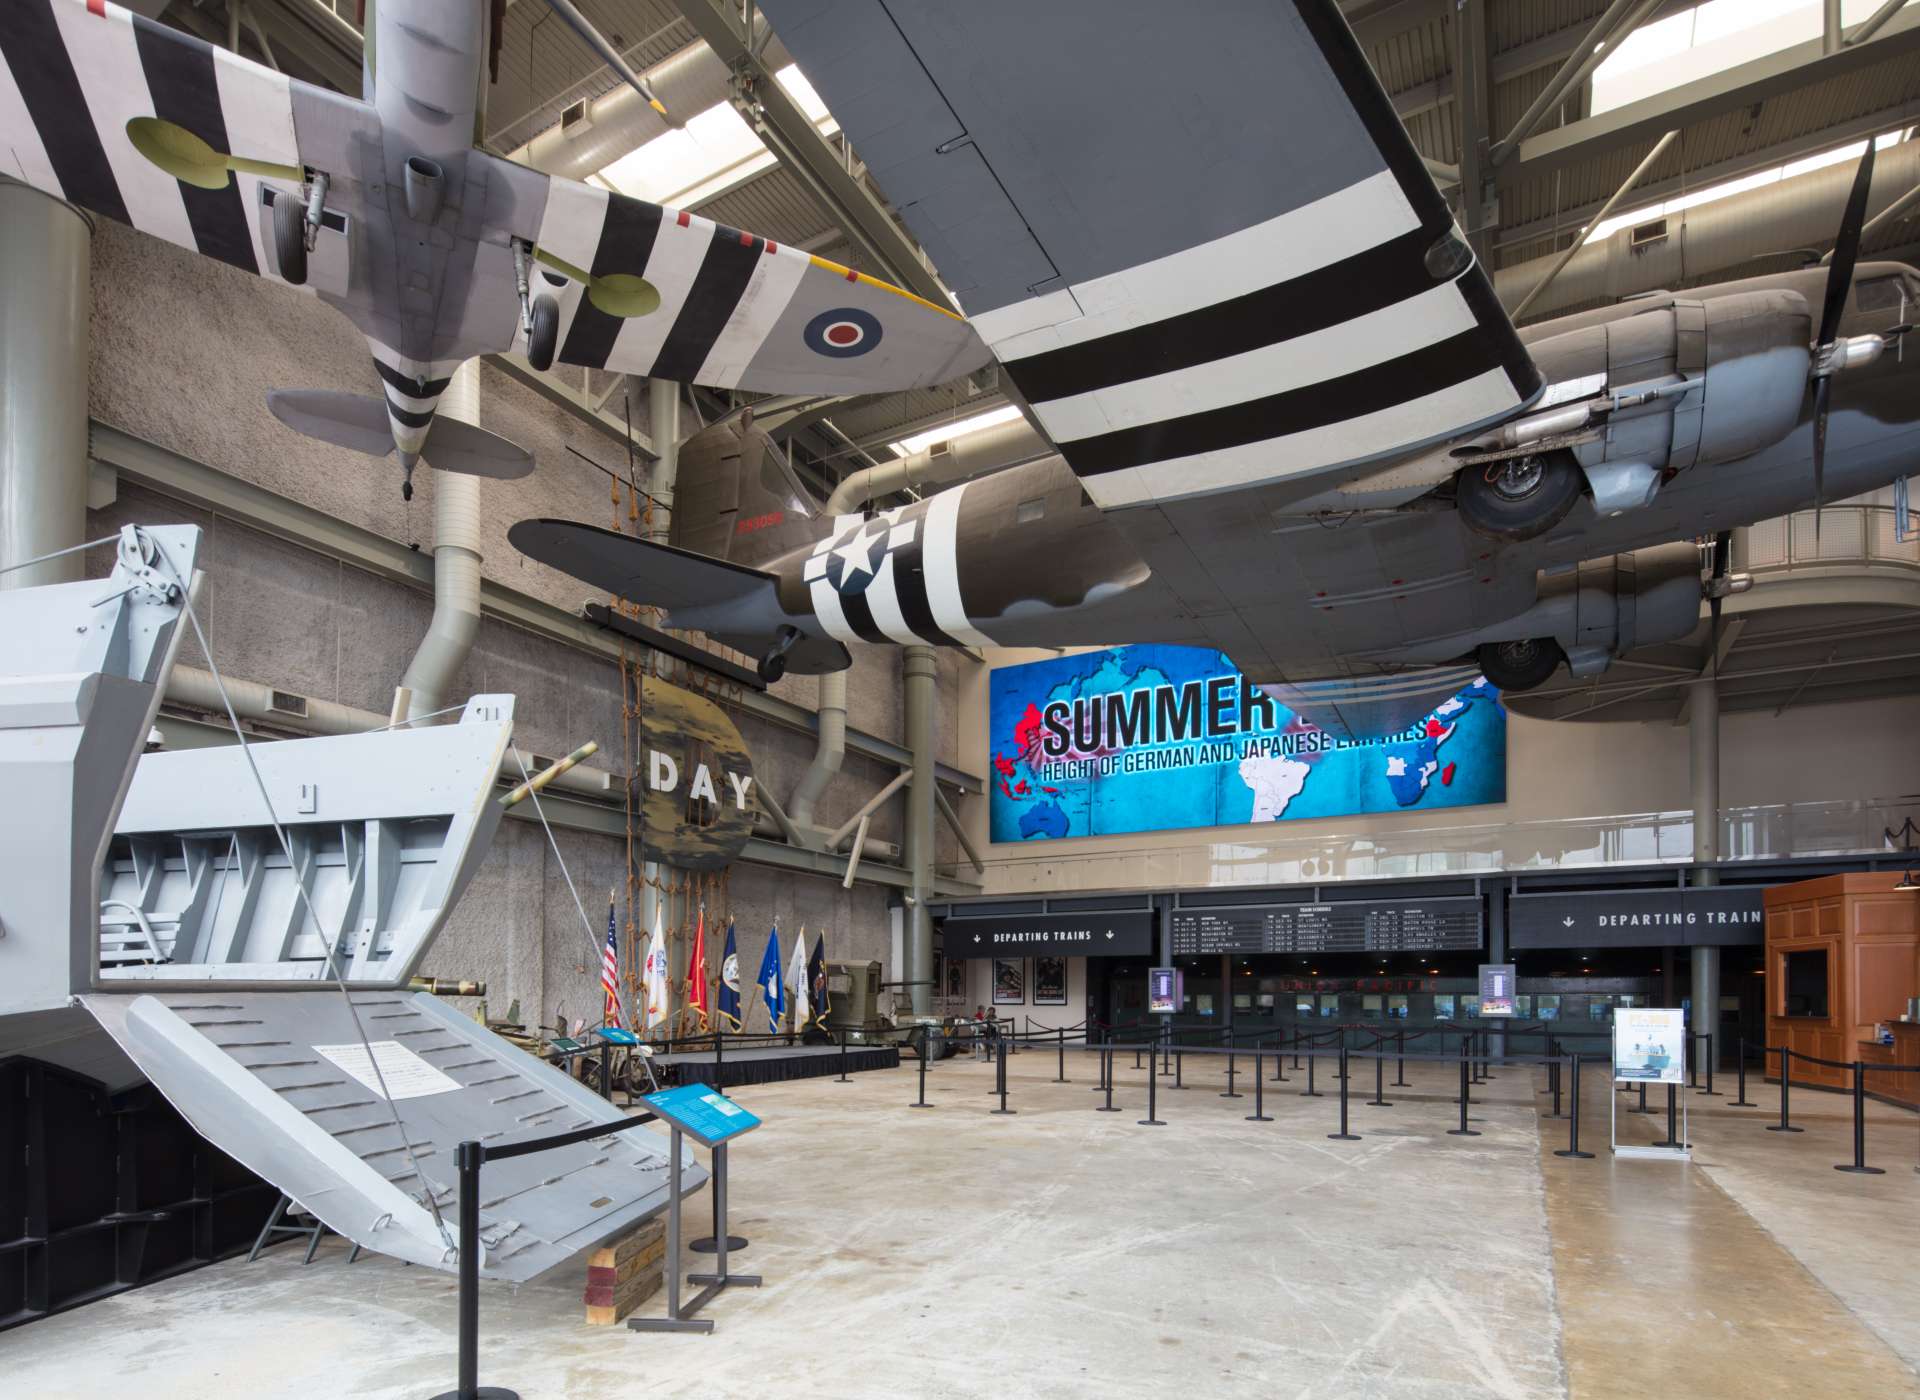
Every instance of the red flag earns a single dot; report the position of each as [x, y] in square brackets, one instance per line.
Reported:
[697, 994]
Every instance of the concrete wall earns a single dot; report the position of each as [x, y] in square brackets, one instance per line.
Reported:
[1556, 771]
[184, 352]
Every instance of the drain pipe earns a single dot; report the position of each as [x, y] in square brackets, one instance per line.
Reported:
[663, 424]
[456, 565]
[828, 754]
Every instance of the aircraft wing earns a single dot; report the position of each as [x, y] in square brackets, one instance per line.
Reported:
[1196, 235]
[669, 295]
[141, 123]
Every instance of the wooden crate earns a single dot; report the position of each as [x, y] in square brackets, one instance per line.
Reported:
[623, 1275]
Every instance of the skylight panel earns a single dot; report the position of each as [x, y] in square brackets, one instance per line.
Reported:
[1706, 39]
[947, 432]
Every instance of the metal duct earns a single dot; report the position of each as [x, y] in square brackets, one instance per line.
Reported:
[942, 464]
[830, 751]
[456, 565]
[608, 127]
[1803, 212]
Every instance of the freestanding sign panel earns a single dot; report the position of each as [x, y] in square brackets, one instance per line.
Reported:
[1649, 1045]
[1497, 981]
[1163, 990]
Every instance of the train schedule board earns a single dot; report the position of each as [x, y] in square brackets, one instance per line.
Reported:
[1447, 924]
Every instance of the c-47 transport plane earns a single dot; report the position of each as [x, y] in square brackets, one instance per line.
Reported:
[1291, 420]
[437, 251]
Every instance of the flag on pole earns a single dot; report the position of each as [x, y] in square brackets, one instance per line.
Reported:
[656, 975]
[817, 979]
[610, 970]
[769, 980]
[697, 1001]
[730, 982]
[797, 980]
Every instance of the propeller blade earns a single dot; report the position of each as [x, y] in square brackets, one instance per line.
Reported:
[1821, 388]
[1846, 251]
[1722, 564]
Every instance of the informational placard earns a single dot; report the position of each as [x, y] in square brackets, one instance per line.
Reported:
[704, 1114]
[1355, 926]
[1122, 933]
[1154, 737]
[1163, 990]
[1649, 1044]
[405, 1074]
[1497, 983]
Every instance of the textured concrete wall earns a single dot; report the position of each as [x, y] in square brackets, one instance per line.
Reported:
[184, 352]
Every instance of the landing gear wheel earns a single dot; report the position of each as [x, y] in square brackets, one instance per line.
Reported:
[1516, 498]
[774, 664]
[1519, 666]
[290, 237]
[544, 338]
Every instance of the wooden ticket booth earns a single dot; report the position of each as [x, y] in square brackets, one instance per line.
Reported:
[1841, 957]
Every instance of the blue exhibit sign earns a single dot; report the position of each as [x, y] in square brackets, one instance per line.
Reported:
[709, 1116]
[1153, 738]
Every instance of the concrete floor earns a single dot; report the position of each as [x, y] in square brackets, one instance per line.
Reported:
[1063, 1252]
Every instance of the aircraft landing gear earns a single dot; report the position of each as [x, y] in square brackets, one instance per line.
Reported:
[1516, 498]
[296, 227]
[539, 316]
[774, 664]
[1519, 666]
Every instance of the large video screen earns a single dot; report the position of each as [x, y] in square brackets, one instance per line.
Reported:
[1156, 738]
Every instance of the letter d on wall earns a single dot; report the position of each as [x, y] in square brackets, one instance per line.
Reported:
[663, 774]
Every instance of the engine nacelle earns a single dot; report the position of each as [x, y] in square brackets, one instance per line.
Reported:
[1678, 385]
[1607, 607]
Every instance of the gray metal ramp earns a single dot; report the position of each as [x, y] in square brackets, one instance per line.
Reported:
[280, 1081]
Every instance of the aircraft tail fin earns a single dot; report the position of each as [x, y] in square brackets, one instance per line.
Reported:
[738, 497]
[360, 422]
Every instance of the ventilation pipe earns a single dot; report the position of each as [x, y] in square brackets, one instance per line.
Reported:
[921, 670]
[456, 565]
[43, 386]
[942, 464]
[1802, 212]
[594, 134]
[828, 754]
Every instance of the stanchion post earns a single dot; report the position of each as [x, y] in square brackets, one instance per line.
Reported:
[1310, 1092]
[1463, 1130]
[1231, 1072]
[1259, 1114]
[922, 1101]
[1060, 1073]
[1859, 1163]
[1343, 1135]
[1003, 1080]
[1740, 1076]
[1179, 1066]
[1400, 1059]
[1672, 1138]
[469, 1157]
[1379, 1099]
[1708, 1091]
[843, 1057]
[1108, 1076]
[1553, 1077]
[1786, 1073]
[1572, 1149]
[1152, 1120]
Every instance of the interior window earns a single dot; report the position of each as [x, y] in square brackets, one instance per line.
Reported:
[1804, 978]
[1880, 294]
[1030, 510]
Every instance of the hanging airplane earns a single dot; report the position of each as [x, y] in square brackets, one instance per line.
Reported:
[1292, 421]
[436, 250]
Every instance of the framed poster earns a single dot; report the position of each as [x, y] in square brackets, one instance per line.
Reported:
[1649, 1045]
[1497, 983]
[1009, 982]
[1049, 981]
[956, 980]
[1163, 990]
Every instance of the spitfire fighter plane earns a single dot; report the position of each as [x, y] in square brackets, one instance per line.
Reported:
[436, 250]
[1292, 422]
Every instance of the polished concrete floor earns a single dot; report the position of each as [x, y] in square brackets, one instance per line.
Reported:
[1060, 1252]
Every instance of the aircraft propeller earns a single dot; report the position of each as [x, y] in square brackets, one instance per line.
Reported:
[1717, 590]
[1832, 352]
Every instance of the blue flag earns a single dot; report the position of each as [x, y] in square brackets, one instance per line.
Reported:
[730, 982]
[771, 985]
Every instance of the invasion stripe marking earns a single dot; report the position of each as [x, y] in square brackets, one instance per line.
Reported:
[180, 79]
[771, 286]
[910, 578]
[36, 55]
[21, 154]
[406, 384]
[407, 415]
[724, 273]
[1354, 395]
[940, 560]
[1368, 281]
[883, 599]
[626, 242]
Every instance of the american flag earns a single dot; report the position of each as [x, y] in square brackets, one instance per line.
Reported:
[610, 970]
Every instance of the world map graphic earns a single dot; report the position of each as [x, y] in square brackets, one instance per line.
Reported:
[1266, 765]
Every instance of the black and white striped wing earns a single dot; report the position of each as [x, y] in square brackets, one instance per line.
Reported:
[721, 307]
[78, 77]
[1196, 235]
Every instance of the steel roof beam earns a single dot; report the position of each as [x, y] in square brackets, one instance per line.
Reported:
[1744, 85]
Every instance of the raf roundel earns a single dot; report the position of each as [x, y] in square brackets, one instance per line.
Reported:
[844, 333]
